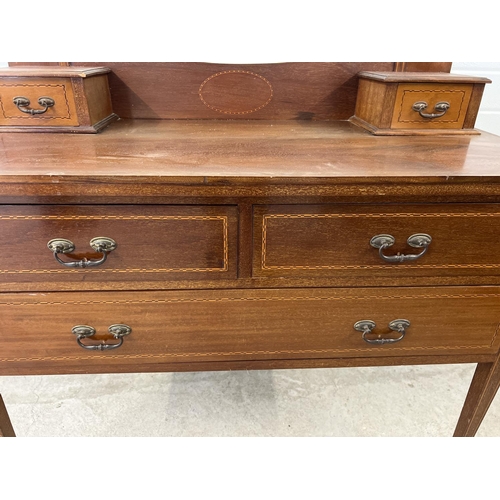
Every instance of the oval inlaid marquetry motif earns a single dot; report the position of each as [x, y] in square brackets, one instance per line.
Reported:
[236, 92]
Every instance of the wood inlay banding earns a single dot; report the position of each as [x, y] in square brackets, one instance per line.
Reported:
[267, 217]
[38, 117]
[221, 218]
[326, 351]
[236, 92]
[363, 296]
[427, 91]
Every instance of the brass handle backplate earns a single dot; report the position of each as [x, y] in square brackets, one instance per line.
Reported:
[22, 104]
[383, 241]
[441, 108]
[100, 244]
[366, 326]
[119, 331]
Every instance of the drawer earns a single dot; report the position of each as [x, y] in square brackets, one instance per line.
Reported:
[55, 99]
[232, 325]
[418, 103]
[152, 243]
[62, 113]
[334, 240]
[457, 97]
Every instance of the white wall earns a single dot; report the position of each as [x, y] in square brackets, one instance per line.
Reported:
[489, 113]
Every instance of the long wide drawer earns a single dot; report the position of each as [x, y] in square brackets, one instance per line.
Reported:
[340, 240]
[152, 243]
[39, 332]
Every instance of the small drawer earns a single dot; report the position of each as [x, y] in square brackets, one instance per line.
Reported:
[41, 333]
[336, 241]
[153, 243]
[399, 103]
[441, 106]
[61, 113]
[54, 99]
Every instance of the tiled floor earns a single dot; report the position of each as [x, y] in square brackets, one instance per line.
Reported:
[387, 401]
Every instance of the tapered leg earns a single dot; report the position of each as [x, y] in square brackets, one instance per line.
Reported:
[482, 390]
[6, 429]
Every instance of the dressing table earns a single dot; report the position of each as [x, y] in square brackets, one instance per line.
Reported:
[234, 218]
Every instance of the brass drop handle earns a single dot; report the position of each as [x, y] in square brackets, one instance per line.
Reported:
[366, 326]
[100, 244]
[23, 102]
[441, 108]
[383, 241]
[119, 331]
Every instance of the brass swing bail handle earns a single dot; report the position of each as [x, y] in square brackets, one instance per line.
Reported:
[22, 104]
[119, 331]
[383, 241]
[441, 108]
[100, 244]
[366, 326]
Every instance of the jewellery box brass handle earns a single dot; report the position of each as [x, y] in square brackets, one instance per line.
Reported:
[383, 241]
[100, 244]
[23, 102]
[83, 332]
[366, 326]
[440, 107]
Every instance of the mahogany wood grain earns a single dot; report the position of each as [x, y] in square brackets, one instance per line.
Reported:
[245, 324]
[245, 248]
[397, 66]
[301, 163]
[153, 243]
[306, 91]
[334, 240]
[384, 105]
[6, 429]
[482, 391]
[98, 98]
[375, 102]
[56, 72]
[419, 77]
[419, 131]
[226, 190]
[458, 95]
[75, 367]
[473, 108]
[81, 95]
[241, 283]
[13, 64]
[63, 113]
[224, 153]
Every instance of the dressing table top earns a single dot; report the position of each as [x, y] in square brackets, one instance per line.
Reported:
[257, 149]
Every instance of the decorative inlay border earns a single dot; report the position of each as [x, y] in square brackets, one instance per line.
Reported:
[38, 117]
[200, 90]
[434, 90]
[248, 299]
[267, 217]
[222, 218]
[245, 353]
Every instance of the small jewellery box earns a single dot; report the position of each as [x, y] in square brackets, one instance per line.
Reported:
[54, 99]
[397, 103]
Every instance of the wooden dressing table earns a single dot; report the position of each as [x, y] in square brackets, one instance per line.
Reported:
[245, 210]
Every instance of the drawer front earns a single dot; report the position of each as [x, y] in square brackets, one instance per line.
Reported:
[153, 243]
[334, 240]
[456, 95]
[204, 326]
[62, 113]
